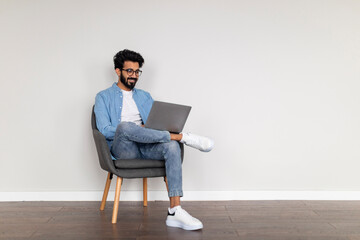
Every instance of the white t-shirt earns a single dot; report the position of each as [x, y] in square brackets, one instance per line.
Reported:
[130, 112]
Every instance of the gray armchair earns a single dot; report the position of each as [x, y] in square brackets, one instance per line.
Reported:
[125, 168]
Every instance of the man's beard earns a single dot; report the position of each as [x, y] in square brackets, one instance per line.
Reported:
[126, 82]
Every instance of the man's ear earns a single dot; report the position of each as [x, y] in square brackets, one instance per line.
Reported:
[118, 71]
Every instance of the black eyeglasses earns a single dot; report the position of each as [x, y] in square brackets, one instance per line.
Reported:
[131, 72]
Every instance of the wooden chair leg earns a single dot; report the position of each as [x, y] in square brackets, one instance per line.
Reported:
[167, 186]
[145, 191]
[116, 201]
[106, 191]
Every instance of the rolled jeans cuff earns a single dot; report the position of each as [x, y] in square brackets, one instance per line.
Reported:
[176, 193]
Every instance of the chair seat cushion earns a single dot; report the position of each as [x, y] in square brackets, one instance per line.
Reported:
[138, 163]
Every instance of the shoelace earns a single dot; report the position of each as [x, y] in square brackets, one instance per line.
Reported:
[193, 140]
[184, 212]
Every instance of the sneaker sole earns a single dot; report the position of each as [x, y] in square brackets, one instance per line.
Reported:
[171, 223]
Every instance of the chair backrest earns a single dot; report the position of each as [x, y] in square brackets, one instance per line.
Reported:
[102, 147]
[93, 119]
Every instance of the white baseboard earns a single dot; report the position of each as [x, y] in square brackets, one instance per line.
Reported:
[188, 195]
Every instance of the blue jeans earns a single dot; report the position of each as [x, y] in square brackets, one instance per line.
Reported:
[132, 141]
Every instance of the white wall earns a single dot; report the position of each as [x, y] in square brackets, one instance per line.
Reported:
[275, 83]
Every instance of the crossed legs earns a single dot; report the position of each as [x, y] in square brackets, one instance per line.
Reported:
[132, 141]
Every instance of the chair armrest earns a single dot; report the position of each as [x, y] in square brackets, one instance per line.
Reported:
[103, 151]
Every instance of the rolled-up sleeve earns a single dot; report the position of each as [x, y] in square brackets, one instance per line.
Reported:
[103, 121]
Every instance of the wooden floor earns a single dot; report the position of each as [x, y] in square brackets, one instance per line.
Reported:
[222, 220]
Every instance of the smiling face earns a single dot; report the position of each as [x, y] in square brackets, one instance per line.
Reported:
[127, 81]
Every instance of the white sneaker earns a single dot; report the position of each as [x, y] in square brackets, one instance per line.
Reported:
[204, 144]
[182, 219]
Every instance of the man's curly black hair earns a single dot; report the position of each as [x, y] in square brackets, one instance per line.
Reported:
[127, 55]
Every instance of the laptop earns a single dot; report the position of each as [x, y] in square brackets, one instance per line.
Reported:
[167, 116]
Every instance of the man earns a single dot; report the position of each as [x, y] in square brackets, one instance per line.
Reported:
[121, 111]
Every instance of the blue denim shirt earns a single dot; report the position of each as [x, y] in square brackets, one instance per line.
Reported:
[108, 107]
